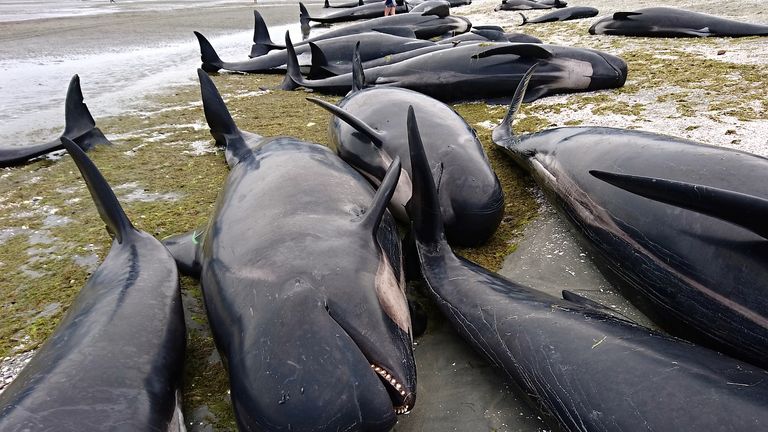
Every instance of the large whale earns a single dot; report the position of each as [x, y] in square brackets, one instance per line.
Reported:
[587, 369]
[300, 268]
[672, 22]
[514, 5]
[115, 360]
[79, 127]
[564, 14]
[363, 133]
[487, 71]
[698, 277]
[374, 45]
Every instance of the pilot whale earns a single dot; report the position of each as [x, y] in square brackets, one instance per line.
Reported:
[588, 370]
[300, 268]
[79, 127]
[115, 360]
[564, 14]
[362, 132]
[672, 22]
[697, 276]
[487, 71]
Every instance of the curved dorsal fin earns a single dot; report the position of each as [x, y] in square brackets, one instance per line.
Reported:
[220, 122]
[293, 78]
[747, 211]
[503, 132]
[623, 16]
[375, 136]
[262, 43]
[77, 119]
[106, 202]
[381, 199]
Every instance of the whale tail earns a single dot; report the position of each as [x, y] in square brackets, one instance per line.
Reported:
[747, 211]
[106, 202]
[262, 43]
[79, 125]
[424, 206]
[304, 17]
[222, 126]
[209, 57]
[293, 78]
[525, 20]
[503, 134]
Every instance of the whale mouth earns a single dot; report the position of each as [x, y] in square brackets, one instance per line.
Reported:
[396, 389]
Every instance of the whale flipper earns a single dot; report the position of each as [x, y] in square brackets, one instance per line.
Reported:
[185, 249]
[358, 74]
[503, 132]
[376, 137]
[747, 211]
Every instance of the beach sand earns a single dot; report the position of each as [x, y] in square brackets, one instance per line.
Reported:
[167, 173]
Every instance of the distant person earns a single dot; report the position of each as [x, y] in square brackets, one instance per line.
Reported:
[389, 7]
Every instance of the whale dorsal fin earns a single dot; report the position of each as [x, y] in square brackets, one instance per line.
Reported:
[623, 16]
[376, 137]
[424, 206]
[293, 78]
[747, 211]
[522, 50]
[210, 58]
[304, 17]
[106, 202]
[262, 43]
[396, 31]
[502, 134]
[381, 199]
[319, 67]
[525, 20]
[358, 74]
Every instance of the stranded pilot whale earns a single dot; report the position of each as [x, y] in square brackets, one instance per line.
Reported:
[363, 134]
[565, 14]
[590, 370]
[115, 360]
[79, 127]
[300, 268]
[672, 22]
[698, 277]
[487, 71]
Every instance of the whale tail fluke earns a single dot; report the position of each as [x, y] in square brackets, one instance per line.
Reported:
[222, 126]
[106, 202]
[79, 125]
[424, 206]
[293, 78]
[211, 61]
[304, 17]
[747, 211]
[502, 134]
[262, 43]
[375, 213]
[525, 20]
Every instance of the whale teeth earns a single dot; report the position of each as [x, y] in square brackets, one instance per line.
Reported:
[398, 386]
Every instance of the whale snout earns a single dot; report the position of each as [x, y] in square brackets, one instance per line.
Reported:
[610, 72]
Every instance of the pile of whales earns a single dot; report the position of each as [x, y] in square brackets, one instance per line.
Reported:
[307, 255]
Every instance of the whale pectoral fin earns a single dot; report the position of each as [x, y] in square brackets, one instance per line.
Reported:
[358, 74]
[523, 50]
[376, 137]
[503, 134]
[747, 211]
[623, 16]
[185, 250]
[396, 31]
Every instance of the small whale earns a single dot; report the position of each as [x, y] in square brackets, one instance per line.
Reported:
[565, 14]
[115, 360]
[672, 22]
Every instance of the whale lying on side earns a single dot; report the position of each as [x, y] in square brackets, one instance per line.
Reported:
[487, 71]
[115, 360]
[79, 127]
[300, 268]
[588, 370]
[697, 276]
[363, 134]
[514, 5]
[672, 22]
[565, 14]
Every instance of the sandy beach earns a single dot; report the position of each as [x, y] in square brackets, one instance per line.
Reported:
[137, 64]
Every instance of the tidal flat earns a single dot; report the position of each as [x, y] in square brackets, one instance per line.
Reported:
[166, 171]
